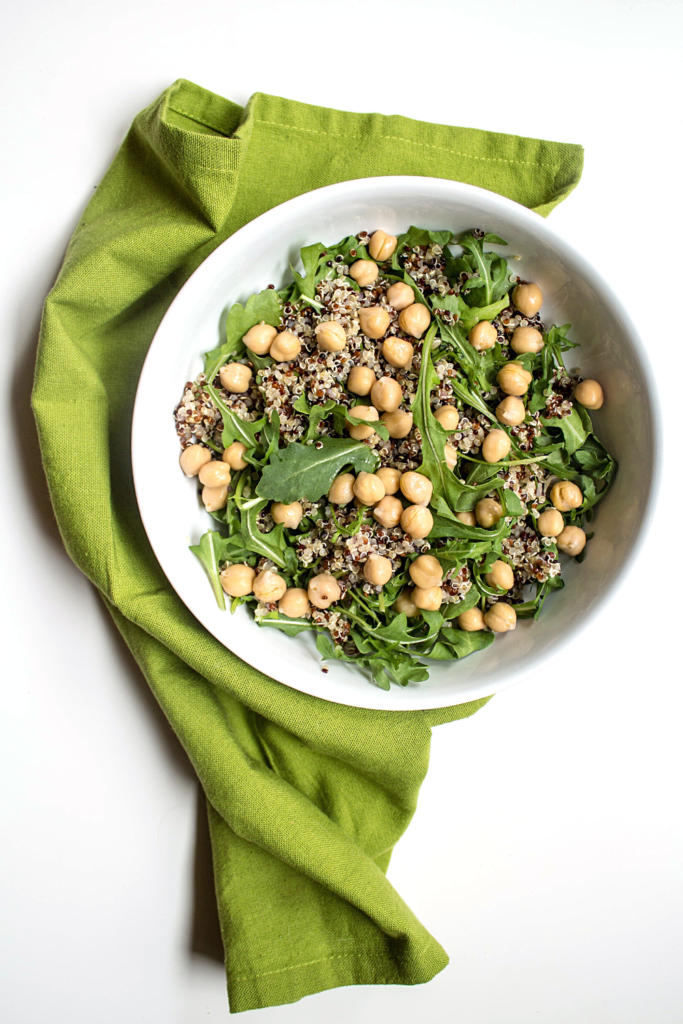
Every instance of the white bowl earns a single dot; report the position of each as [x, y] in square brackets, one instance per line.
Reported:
[259, 255]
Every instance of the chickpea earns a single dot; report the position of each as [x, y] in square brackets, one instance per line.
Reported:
[331, 336]
[398, 352]
[527, 339]
[511, 411]
[215, 474]
[501, 617]
[450, 454]
[528, 298]
[259, 338]
[235, 378]
[269, 587]
[417, 521]
[468, 518]
[483, 336]
[572, 540]
[364, 272]
[233, 455]
[404, 603]
[551, 523]
[361, 380]
[294, 603]
[285, 348]
[400, 295]
[500, 575]
[496, 446]
[289, 515]
[448, 416]
[589, 394]
[416, 487]
[513, 379]
[388, 511]
[399, 423]
[359, 431]
[390, 478]
[488, 511]
[564, 495]
[428, 599]
[426, 572]
[368, 488]
[386, 394]
[323, 590]
[414, 320]
[214, 498]
[377, 570]
[341, 491]
[237, 580]
[374, 321]
[193, 458]
[472, 620]
[382, 246]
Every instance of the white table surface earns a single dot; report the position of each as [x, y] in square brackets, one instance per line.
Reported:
[546, 851]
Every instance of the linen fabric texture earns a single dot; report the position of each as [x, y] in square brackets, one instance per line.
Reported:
[306, 798]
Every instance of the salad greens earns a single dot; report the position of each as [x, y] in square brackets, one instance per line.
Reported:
[296, 444]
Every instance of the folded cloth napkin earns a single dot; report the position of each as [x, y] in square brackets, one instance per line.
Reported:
[306, 798]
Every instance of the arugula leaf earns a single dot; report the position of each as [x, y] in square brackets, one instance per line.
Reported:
[469, 315]
[315, 259]
[303, 470]
[234, 427]
[573, 430]
[459, 496]
[462, 643]
[594, 459]
[271, 545]
[422, 236]
[292, 627]
[209, 552]
[512, 505]
[491, 274]
[470, 600]
[434, 437]
[265, 306]
[378, 427]
[271, 434]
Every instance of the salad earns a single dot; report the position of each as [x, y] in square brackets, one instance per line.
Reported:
[393, 451]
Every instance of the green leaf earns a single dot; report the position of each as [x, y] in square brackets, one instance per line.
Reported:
[379, 428]
[315, 259]
[463, 643]
[271, 434]
[422, 236]
[512, 504]
[303, 470]
[469, 315]
[492, 273]
[209, 553]
[434, 437]
[264, 307]
[458, 495]
[271, 545]
[470, 600]
[234, 427]
[292, 627]
[572, 428]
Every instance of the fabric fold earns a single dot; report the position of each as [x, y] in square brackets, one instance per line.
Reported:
[306, 798]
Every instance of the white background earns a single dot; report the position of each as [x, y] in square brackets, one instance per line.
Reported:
[546, 851]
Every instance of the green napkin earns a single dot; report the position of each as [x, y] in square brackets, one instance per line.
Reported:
[306, 798]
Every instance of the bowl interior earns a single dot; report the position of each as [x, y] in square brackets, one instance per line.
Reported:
[259, 255]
